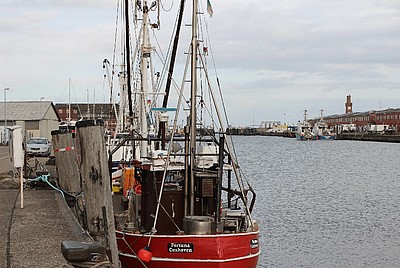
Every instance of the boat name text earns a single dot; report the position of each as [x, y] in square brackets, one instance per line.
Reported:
[180, 247]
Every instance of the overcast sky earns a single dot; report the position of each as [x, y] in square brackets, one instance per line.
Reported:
[274, 58]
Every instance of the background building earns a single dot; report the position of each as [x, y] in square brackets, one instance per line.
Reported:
[37, 118]
[85, 111]
[390, 117]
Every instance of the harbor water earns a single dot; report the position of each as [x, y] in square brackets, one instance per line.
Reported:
[324, 203]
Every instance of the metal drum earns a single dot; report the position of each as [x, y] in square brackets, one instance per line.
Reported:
[199, 225]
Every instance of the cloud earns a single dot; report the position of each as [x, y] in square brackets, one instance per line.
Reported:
[273, 57]
[46, 42]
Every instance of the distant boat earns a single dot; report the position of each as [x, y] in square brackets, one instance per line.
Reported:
[305, 129]
[322, 131]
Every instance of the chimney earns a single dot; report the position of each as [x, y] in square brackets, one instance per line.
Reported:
[348, 105]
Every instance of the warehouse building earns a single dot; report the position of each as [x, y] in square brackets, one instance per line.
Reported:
[37, 118]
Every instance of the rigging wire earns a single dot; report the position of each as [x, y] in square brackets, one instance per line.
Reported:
[114, 56]
[205, 53]
[221, 96]
[167, 161]
[76, 99]
[238, 173]
[166, 58]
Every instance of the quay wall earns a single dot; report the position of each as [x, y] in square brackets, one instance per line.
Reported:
[359, 136]
[248, 131]
[356, 136]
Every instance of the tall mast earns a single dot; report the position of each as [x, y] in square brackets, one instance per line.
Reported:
[193, 93]
[173, 55]
[128, 60]
[146, 50]
[161, 133]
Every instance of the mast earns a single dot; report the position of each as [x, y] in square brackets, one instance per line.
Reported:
[121, 124]
[146, 50]
[193, 93]
[128, 61]
[94, 103]
[173, 56]
[88, 104]
[161, 133]
[69, 103]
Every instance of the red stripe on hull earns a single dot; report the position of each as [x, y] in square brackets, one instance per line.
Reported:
[182, 251]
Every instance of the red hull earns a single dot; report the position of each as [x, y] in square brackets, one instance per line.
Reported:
[195, 251]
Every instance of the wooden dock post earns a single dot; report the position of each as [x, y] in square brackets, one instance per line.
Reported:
[97, 186]
[66, 161]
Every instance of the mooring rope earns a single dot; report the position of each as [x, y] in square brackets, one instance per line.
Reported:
[45, 178]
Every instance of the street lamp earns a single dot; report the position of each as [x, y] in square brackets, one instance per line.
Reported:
[5, 114]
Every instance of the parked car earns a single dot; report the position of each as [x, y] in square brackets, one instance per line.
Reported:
[38, 147]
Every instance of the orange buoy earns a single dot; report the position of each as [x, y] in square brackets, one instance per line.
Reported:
[145, 254]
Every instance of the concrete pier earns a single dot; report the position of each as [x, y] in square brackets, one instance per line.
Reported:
[32, 236]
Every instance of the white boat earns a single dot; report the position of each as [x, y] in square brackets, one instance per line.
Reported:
[304, 129]
[322, 131]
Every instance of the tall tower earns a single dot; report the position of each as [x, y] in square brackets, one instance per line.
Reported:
[348, 105]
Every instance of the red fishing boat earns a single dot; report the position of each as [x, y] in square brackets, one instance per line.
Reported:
[219, 250]
[187, 201]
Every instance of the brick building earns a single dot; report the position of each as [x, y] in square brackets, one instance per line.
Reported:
[85, 111]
